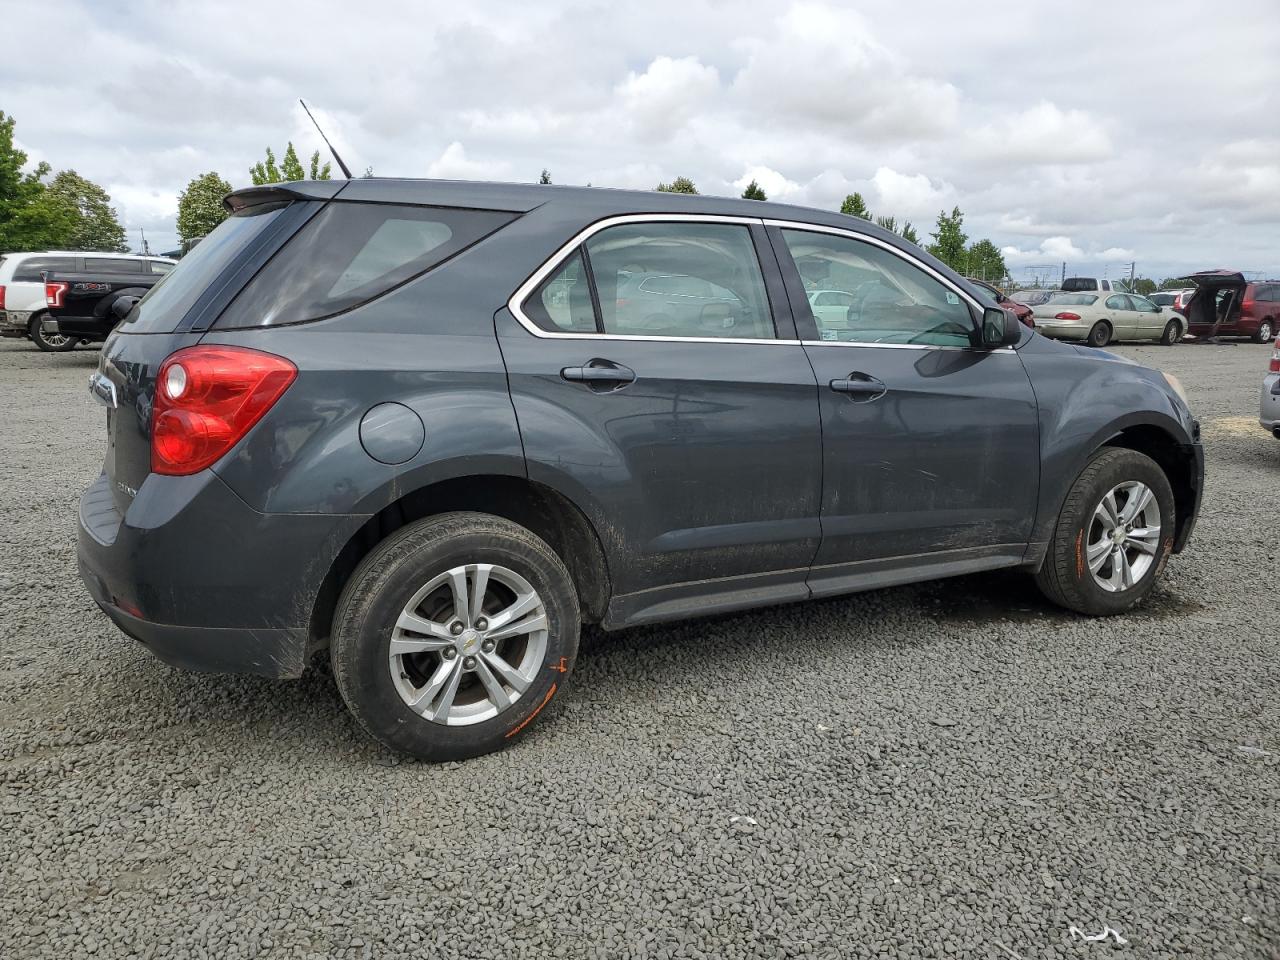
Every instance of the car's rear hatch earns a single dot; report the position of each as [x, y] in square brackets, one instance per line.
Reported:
[1204, 305]
[178, 310]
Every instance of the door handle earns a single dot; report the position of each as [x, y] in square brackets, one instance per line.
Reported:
[600, 375]
[859, 387]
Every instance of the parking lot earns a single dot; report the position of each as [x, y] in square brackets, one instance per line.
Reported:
[952, 769]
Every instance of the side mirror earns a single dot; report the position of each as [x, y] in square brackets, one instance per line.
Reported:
[123, 305]
[1159, 309]
[1000, 328]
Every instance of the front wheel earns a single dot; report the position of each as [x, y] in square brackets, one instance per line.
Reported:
[1113, 536]
[1265, 330]
[453, 635]
[1172, 333]
[1100, 335]
[49, 342]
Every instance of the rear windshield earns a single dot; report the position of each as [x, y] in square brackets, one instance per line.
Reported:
[350, 253]
[168, 301]
[1162, 299]
[1079, 283]
[1075, 299]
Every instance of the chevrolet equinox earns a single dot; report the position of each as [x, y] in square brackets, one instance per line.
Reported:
[434, 427]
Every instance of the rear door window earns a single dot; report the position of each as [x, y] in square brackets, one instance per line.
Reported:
[563, 303]
[701, 280]
[351, 253]
[30, 270]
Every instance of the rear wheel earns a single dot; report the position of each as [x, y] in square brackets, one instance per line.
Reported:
[1113, 536]
[1100, 335]
[49, 342]
[453, 635]
[1172, 333]
[1265, 332]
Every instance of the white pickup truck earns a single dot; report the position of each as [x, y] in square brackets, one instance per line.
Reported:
[22, 293]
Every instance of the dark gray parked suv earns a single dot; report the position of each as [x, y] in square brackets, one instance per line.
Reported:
[417, 423]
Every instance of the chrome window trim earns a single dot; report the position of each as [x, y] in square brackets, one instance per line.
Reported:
[901, 346]
[877, 242]
[516, 301]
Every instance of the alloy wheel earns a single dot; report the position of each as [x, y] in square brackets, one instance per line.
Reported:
[1124, 536]
[468, 644]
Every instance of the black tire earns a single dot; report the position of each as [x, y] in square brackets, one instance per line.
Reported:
[1064, 576]
[1172, 333]
[1100, 335]
[385, 581]
[1265, 332]
[61, 345]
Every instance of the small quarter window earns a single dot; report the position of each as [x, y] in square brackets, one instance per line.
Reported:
[562, 304]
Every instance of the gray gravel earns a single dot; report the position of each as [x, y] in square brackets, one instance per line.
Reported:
[955, 769]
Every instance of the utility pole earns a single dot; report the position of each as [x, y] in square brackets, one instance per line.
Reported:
[1064, 271]
[1132, 264]
[146, 251]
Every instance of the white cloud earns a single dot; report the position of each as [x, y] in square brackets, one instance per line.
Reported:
[454, 164]
[1056, 139]
[1045, 134]
[668, 94]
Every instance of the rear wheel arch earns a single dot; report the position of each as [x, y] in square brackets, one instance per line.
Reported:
[538, 508]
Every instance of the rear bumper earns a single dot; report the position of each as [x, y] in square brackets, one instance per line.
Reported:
[13, 323]
[1062, 331]
[86, 328]
[204, 581]
[1269, 405]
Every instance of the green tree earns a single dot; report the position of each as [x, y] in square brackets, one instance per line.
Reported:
[949, 240]
[24, 224]
[753, 192]
[266, 171]
[318, 172]
[1174, 283]
[986, 261]
[200, 206]
[1143, 286]
[889, 223]
[909, 234]
[678, 185]
[855, 206]
[84, 214]
[545, 177]
[291, 166]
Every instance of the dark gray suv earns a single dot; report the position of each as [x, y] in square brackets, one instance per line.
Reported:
[419, 424]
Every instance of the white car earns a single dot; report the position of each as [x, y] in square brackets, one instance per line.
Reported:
[1100, 318]
[22, 302]
[830, 307]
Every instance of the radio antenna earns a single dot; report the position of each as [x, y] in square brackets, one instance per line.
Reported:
[341, 166]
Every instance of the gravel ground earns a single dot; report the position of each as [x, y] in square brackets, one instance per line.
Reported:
[955, 769]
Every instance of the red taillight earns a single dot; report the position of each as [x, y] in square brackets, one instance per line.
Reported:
[1065, 315]
[1275, 357]
[207, 399]
[55, 293]
[1246, 306]
[1, 296]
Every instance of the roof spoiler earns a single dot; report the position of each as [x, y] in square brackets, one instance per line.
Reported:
[282, 193]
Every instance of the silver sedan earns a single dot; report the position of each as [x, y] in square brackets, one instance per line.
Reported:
[1100, 318]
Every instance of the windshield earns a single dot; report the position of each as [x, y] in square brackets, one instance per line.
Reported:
[1073, 299]
[165, 304]
[1163, 299]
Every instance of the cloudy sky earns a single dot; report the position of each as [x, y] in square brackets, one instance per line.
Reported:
[1095, 133]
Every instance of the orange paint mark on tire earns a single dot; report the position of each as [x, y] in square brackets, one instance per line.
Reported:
[1080, 554]
[529, 719]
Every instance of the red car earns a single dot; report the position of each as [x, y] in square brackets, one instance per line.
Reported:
[1225, 304]
[1019, 310]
